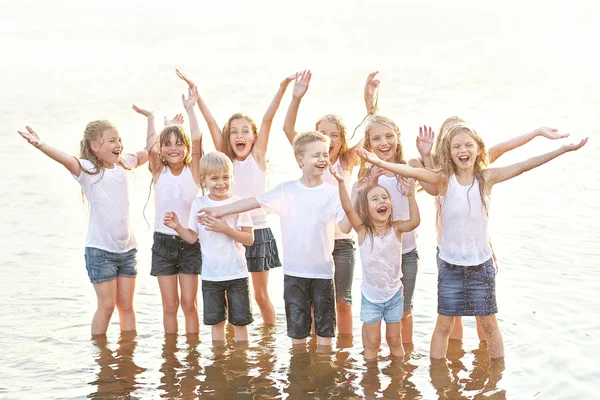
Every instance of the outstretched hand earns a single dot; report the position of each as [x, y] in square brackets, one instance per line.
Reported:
[425, 140]
[177, 120]
[187, 80]
[371, 85]
[550, 133]
[376, 172]
[337, 174]
[209, 211]
[142, 111]
[192, 98]
[31, 137]
[302, 80]
[408, 187]
[367, 156]
[288, 79]
[171, 220]
[577, 146]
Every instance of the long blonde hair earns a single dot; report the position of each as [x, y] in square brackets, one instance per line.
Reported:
[365, 167]
[93, 131]
[226, 132]
[447, 124]
[343, 155]
[214, 163]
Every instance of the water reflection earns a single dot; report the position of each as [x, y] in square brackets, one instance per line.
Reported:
[117, 374]
[180, 378]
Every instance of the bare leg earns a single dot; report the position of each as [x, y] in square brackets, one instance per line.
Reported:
[407, 327]
[441, 333]
[457, 331]
[218, 332]
[372, 339]
[170, 301]
[189, 302]
[125, 291]
[344, 317]
[241, 333]
[480, 332]
[495, 343]
[106, 294]
[392, 337]
[260, 281]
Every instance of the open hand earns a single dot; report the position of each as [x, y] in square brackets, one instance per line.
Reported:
[367, 156]
[376, 172]
[209, 211]
[31, 137]
[145, 113]
[215, 224]
[550, 133]
[185, 78]
[190, 102]
[408, 186]
[337, 174]
[288, 79]
[371, 85]
[573, 147]
[302, 80]
[171, 220]
[425, 140]
[177, 120]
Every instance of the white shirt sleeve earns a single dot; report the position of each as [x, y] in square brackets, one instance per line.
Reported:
[271, 200]
[84, 177]
[243, 220]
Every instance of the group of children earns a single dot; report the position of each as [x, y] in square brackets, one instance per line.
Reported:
[223, 234]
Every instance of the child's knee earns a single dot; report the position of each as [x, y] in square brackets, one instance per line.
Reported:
[372, 341]
[261, 297]
[170, 307]
[445, 325]
[393, 340]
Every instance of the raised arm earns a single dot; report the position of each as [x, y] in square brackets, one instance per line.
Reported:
[69, 162]
[425, 142]
[403, 170]
[301, 83]
[260, 146]
[239, 206]
[496, 151]
[370, 92]
[408, 187]
[497, 175]
[213, 127]
[353, 217]
[152, 145]
[188, 104]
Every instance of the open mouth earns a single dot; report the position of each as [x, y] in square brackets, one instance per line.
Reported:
[240, 145]
[382, 210]
[117, 152]
[385, 151]
[321, 165]
[464, 159]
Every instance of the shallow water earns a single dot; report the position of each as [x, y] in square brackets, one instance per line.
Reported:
[507, 69]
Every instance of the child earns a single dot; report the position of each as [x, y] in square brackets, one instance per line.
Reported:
[246, 146]
[174, 165]
[224, 271]
[308, 209]
[344, 160]
[381, 257]
[466, 280]
[110, 252]
[428, 151]
[382, 136]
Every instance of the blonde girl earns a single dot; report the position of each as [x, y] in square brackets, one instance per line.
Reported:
[110, 251]
[246, 146]
[380, 243]
[225, 291]
[344, 160]
[174, 164]
[466, 280]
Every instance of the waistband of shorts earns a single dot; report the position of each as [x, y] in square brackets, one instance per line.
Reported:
[450, 265]
[167, 237]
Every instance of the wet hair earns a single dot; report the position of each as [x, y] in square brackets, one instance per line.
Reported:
[343, 154]
[447, 167]
[362, 208]
[301, 140]
[180, 135]
[365, 167]
[214, 163]
[226, 132]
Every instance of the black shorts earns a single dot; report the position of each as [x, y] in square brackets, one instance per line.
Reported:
[300, 296]
[172, 255]
[238, 300]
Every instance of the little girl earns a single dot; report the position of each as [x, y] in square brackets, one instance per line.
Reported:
[110, 252]
[381, 257]
[343, 160]
[428, 149]
[246, 146]
[382, 136]
[466, 280]
[224, 270]
[174, 165]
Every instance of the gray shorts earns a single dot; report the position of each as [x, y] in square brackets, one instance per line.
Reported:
[410, 266]
[343, 260]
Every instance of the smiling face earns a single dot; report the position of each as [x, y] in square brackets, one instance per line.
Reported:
[241, 137]
[173, 149]
[218, 184]
[383, 141]
[379, 204]
[108, 147]
[464, 151]
[332, 131]
[314, 159]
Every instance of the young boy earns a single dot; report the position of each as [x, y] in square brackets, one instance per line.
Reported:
[308, 209]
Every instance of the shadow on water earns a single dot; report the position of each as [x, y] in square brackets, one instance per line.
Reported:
[268, 369]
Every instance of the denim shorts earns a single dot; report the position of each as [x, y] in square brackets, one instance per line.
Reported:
[300, 296]
[391, 311]
[466, 291]
[343, 260]
[237, 306]
[263, 254]
[104, 266]
[410, 266]
[172, 255]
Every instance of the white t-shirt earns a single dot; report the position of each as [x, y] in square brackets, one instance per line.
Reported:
[400, 210]
[223, 259]
[381, 260]
[250, 181]
[308, 218]
[173, 193]
[109, 226]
